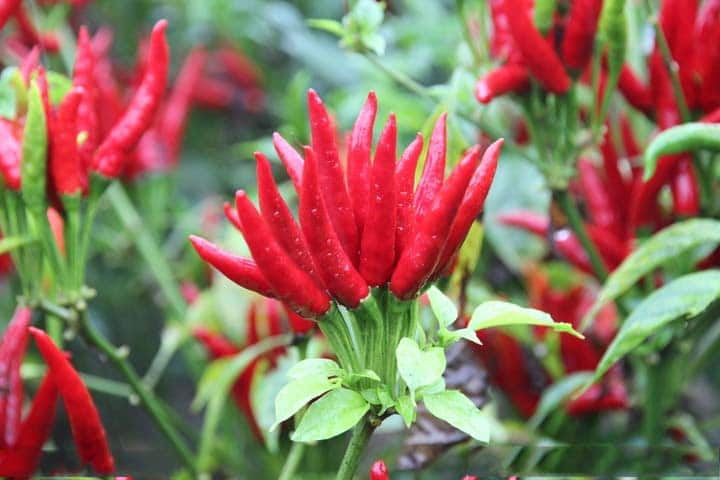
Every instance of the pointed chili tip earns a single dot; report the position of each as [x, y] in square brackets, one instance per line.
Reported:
[232, 215]
[160, 27]
[482, 91]
[372, 99]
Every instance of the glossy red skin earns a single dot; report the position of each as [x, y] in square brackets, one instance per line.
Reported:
[404, 192]
[433, 173]
[379, 471]
[241, 270]
[12, 351]
[339, 275]
[278, 217]
[358, 160]
[331, 178]
[290, 158]
[88, 432]
[377, 248]
[87, 118]
[291, 284]
[139, 115]
[509, 78]
[579, 36]
[66, 171]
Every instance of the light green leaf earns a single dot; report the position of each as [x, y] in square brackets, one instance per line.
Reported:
[328, 25]
[417, 367]
[315, 366]
[448, 337]
[460, 412]
[10, 243]
[366, 374]
[664, 245]
[298, 393]
[8, 93]
[405, 407]
[331, 415]
[443, 308]
[499, 314]
[684, 297]
[556, 394]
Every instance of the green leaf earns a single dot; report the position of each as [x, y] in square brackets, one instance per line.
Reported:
[499, 314]
[417, 367]
[664, 245]
[367, 374]
[556, 394]
[10, 243]
[58, 85]
[684, 297]
[448, 337]
[460, 412]
[315, 366]
[328, 25]
[298, 393]
[688, 137]
[331, 415]
[443, 308]
[405, 407]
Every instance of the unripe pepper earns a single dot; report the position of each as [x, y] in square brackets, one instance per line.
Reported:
[34, 152]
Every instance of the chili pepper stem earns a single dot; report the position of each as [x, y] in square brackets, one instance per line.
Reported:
[359, 440]
[292, 461]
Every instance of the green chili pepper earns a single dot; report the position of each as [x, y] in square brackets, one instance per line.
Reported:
[683, 138]
[34, 152]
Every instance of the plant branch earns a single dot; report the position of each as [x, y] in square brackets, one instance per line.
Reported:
[292, 461]
[359, 440]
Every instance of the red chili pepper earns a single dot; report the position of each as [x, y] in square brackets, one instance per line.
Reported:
[213, 93]
[88, 432]
[336, 270]
[684, 187]
[12, 350]
[231, 215]
[138, 117]
[358, 159]
[22, 458]
[712, 117]
[618, 187]
[579, 36]
[9, 156]
[278, 217]
[707, 59]
[30, 63]
[87, 117]
[509, 78]
[597, 197]
[635, 92]
[537, 53]
[29, 33]
[7, 8]
[216, 345]
[291, 284]
[532, 222]
[431, 180]
[241, 270]
[331, 178]
[290, 158]
[65, 168]
[404, 186]
[239, 67]
[422, 255]
[471, 205]
[677, 20]
[379, 471]
[297, 323]
[632, 148]
[377, 247]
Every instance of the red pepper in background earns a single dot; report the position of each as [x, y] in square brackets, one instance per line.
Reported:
[12, 350]
[579, 36]
[30, 35]
[358, 159]
[509, 78]
[213, 93]
[684, 186]
[7, 8]
[379, 471]
[634, 90]
[601, 209]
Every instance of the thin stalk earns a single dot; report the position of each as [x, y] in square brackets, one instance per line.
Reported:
[467, 34]
[359, 440]
[146, 397]
[292, 461]
[401, 78]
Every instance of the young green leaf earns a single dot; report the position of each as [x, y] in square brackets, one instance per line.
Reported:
[314, 366]
[443, 308]
[298, 393]
[405, 407]
[448, 337]
[331, 415]
[460, 412]
[417, 367]
[668, 243]
[499, 314]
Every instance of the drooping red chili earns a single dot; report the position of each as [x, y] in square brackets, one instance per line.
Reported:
[331, 178]
[537, 54]
[377, 247]
[335, 267]
[290, 158]
[579, 36]
[87, 429]
[65, 169]
[431, 180]
[213, 93]
[241, 270]
[12, 350]
[124, 135]
[278, 217]
[291, 284]
[404, 189]
[422, 255]
[508, 78]
[358, 159]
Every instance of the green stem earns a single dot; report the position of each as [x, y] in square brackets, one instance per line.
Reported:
[573, 215]
[359, 440]
[148, 400]
[401, 78]
[292, 461]
[467, 34]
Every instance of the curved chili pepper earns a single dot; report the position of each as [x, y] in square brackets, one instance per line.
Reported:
[597, 197]
[431, 180]
[12, 350]
[241, 270]
[290, 158]
[634, 90]
[291, 284]
[537, 53]
[579, 36]
[278, 217]
[29, 33]
[9, 156]
[377, 247]
[684, 187]
[336, 270]
[66, 171]
[404, 186]
[138, 117]
[509, 78]
[22, 458]
[471, 205]
[330, 177]
[358, 159]
[379, 471]
[632, 148]
[87, 429]
[422, 255]
[87, 118]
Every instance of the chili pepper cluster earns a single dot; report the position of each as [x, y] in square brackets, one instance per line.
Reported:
[360, 227]
[21, 440]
